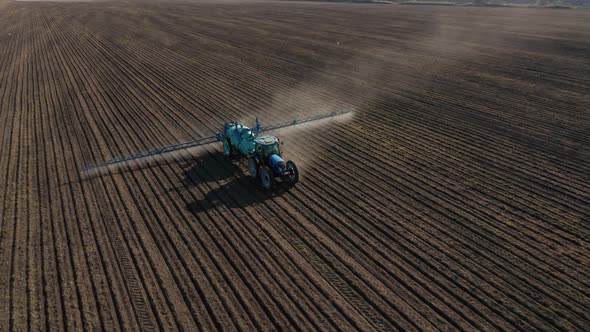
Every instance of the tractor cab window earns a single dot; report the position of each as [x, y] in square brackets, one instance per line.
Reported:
[246, 134]
[271, 149]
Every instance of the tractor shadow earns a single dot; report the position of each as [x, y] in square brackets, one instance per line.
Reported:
[209, 168]
[239, 193]
[237, 190]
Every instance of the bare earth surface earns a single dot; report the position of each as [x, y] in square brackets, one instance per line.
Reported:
[455, 197]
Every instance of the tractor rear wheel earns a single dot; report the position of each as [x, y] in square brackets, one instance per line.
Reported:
[252, 167]
[266, 177]
[227, 148]
[294, 176]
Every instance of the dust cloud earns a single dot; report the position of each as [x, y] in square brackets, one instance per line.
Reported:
[371, 71]
[356, 81]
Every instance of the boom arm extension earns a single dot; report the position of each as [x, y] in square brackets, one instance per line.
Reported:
[207, 140]
[302, 121]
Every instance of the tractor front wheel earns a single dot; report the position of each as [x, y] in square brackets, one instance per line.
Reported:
[294, 173]
[266, 177]
[252, 167]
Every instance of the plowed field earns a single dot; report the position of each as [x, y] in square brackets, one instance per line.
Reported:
[455, 196]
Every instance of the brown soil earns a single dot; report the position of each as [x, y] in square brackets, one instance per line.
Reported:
[455, 197]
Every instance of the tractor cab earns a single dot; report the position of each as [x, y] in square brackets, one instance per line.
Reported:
[246, 134]
[268, 164]
[267, 152]
[266, 146]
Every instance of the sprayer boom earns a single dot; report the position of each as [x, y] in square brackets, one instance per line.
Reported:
[208, 140]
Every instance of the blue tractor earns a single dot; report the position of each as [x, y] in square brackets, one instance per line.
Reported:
[265, 162]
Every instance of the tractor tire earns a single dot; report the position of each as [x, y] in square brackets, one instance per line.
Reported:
[227, 148]
[252, 167]
[294, 177]
[266, 177]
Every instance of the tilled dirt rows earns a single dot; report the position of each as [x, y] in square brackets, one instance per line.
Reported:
[455, 197]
